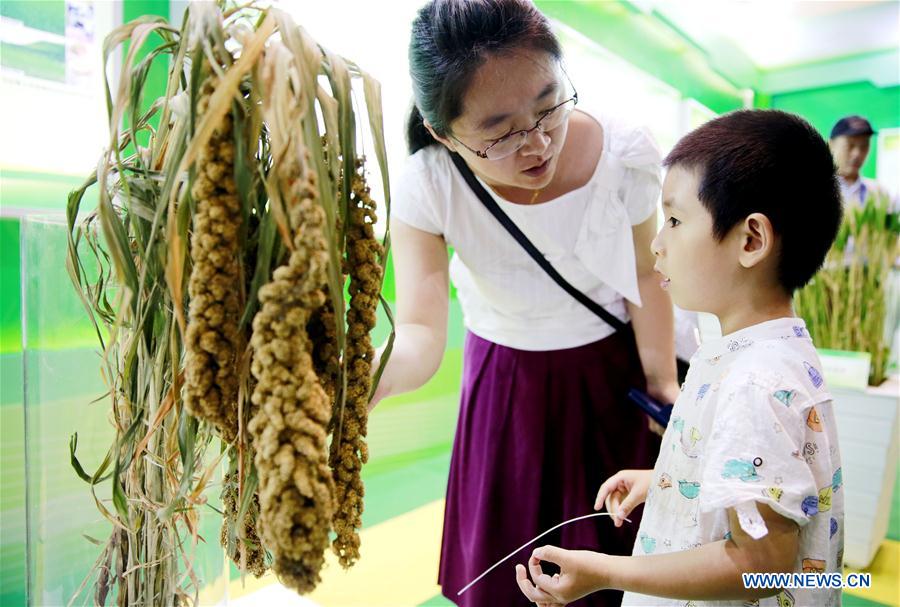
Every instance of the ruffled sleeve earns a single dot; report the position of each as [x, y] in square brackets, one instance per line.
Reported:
[641, 187]
[413, 200]
[626, 193]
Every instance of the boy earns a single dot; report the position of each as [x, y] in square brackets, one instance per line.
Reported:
[748, 477]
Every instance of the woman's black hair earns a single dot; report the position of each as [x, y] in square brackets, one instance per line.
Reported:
[450, 40]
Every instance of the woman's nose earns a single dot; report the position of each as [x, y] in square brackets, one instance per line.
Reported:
[536, 141]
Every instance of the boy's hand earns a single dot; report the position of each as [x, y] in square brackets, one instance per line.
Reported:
[581, 573]
[623, 492]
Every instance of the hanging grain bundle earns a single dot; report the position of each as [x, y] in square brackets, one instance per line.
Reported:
[243, 545]
[247, 203]
[213, 343]
[290, 428]
[348, 449]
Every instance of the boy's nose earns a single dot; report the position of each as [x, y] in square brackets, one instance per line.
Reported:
[656, 245]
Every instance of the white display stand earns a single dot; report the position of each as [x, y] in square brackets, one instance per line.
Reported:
[867, 423]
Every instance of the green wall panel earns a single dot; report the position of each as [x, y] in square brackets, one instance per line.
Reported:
[158, 74]
[12, 422]
[10, 304]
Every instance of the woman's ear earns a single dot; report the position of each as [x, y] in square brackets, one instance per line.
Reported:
[446, 141]
[757, 240]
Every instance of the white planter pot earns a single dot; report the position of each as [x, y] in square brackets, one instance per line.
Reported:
[867, 424]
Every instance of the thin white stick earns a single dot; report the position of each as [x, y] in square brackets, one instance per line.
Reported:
[494, 566]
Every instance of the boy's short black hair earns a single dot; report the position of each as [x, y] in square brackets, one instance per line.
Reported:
[774, 163]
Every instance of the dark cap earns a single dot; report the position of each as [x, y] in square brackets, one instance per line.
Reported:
[851, 125]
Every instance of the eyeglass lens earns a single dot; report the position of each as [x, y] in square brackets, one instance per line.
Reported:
[513, 142]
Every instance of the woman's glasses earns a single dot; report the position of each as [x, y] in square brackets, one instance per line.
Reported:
[513, 142]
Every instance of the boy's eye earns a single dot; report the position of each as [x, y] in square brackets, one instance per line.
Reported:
[672, 222]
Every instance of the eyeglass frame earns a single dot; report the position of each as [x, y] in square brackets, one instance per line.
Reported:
[544, 114]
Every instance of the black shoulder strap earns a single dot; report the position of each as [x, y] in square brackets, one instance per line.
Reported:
[488, 201]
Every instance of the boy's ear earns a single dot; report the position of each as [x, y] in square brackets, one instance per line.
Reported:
[757, 240]
[445, 141]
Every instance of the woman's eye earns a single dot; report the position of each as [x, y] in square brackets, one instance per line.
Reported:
[672, 222]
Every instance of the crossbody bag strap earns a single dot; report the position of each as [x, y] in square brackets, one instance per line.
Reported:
[488, 201]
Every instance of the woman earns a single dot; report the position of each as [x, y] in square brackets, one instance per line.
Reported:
[544, 418]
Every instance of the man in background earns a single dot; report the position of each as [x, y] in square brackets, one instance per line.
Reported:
[849, 142]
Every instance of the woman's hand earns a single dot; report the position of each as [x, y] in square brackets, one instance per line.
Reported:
[623, 492]
[581, 572]
[666, 393]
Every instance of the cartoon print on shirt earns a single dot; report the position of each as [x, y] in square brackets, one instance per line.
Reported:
[701, 393]
[774, 492]
[734, 345]
[665, 481]
[813, 420]
[741, 469]
[825, 499]
[648, 544]
[689, 442]
[810, 505]
[785, 396]
[785, 599]
[689, 489]
[814, 376]
[810, 450]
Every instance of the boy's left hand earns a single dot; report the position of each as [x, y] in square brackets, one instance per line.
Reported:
[581, 573]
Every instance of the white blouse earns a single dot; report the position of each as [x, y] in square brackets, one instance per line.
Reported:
[586, 234]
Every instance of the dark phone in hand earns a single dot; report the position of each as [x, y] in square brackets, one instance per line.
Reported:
[658, 412]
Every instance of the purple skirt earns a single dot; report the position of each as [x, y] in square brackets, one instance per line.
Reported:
[537, 435]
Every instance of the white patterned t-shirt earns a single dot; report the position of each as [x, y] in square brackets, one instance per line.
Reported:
[754, 424]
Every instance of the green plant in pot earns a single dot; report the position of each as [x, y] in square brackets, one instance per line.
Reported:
[845, 305]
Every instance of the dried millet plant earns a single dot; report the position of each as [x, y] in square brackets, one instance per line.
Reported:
[348, 449]
[289, 430]
[213, 342]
